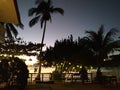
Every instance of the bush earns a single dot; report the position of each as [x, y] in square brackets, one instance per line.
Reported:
[57, 75]
[14, 72]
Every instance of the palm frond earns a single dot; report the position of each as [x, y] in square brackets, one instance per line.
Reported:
[110, 36]
[114, 31]
[49, 3]
[100, 31]
[42, 22]
[20, 25]
[50, 18]
[8, 33]
[13, 30]
[100, 36]
[32, 11]
[34, 21]
[38, 1]
[57, 10]
[115, 45]
[92, 35]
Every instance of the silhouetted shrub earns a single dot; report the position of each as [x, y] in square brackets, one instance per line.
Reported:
[14, 72]
[57, 75]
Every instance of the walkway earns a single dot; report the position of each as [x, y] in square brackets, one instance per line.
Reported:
[70, 86]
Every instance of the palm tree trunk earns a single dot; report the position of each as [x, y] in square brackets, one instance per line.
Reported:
[99, 73]
[42, 42]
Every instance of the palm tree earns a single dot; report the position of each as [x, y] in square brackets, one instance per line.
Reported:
[102, 44]
[11, 31]
[42, 13]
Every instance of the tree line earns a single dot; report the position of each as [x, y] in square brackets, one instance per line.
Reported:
[93, 49]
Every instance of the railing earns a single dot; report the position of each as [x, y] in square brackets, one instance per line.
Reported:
[66, 77]
[75, 77]
[43, 77]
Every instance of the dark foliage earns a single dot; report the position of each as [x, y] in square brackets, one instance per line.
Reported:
[18, 47]
[14, 72]
[76, 52]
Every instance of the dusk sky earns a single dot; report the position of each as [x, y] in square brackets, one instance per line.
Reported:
[79, 16]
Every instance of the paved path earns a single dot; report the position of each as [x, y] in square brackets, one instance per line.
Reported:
[71, 86]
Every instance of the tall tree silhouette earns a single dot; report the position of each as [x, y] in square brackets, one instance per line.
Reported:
[42, 13]
[102, 44]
